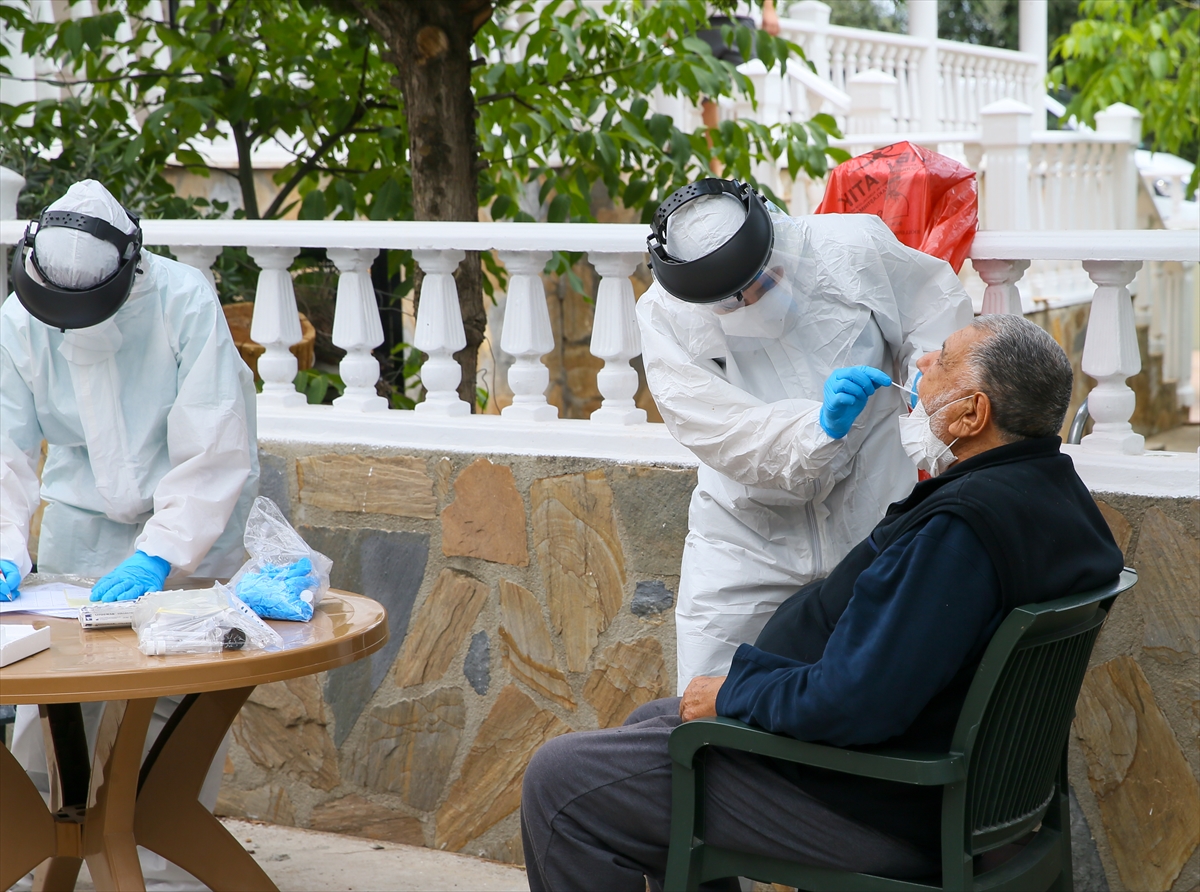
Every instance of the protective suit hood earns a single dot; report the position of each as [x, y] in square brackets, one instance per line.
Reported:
[82, 259]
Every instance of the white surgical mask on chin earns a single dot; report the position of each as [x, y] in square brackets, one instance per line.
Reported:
[923, 446]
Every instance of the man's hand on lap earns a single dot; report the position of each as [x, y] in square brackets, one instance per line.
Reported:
[700, 699]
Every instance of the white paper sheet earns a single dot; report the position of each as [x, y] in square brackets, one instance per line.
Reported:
[52, 599]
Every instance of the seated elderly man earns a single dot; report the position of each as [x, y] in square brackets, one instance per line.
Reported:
[880, 651]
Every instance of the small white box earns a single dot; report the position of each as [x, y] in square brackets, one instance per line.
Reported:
[20, 641]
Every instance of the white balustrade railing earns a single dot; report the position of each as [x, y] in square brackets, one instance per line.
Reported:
[963, 78]
[1112, 260]
[840, 53]
[1166, 303]
[973, 77]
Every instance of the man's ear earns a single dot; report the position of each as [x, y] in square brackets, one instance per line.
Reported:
[975, 417]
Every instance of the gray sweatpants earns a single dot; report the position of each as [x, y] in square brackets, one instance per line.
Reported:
[596, 812]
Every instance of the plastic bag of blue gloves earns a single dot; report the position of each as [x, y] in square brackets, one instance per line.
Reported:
[284, 578]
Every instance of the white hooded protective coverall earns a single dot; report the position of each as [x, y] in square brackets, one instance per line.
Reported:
[778, 502]
[150, 423]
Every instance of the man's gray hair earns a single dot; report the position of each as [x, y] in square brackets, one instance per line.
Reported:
[1025, 374]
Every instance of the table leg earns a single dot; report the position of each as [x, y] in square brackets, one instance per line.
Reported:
[170, 819]
[68, 764]
[27, 832]
[108, 836]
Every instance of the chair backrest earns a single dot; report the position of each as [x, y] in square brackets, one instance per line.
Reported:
[1017, 713]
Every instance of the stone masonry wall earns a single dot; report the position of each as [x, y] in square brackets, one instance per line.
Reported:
[529, 597]
[526, 597]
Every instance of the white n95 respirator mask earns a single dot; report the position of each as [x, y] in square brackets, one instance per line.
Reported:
[923, 446]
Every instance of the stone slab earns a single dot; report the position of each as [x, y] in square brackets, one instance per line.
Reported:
[626, 676]
[283, 727]
[1121, 529]
[368, 484]
[1086, 866]
[1148, 798]
[266, 803]
[652, 508]
[409, 747]
[441, 626]
[477, 667]
[388, 567]
[581, 558]
[355, 816]
[488, 788]
[1168, 562]
[273, 481]
[650, 598]
[487, 517]
[528, 651]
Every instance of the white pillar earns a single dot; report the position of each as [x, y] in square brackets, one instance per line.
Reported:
[357, 329]
[527, 336]
[1123, 124]
[440, 333]
[1189, 298]
[1033, 33]
[1110, 355]
[817, 13]
[202, 257]
[276, 325]
[1006, 127]
[616, 339]
[923, 24]
[872, 102]
[11, 184]
[1001, 295]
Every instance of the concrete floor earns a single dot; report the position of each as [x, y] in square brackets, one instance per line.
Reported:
[308, 861]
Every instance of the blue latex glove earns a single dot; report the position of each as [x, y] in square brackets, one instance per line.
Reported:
[10, 579]
[846, 394]
[132, 578]
[276, 592]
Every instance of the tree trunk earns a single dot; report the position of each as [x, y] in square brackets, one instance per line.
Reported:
[429, 42]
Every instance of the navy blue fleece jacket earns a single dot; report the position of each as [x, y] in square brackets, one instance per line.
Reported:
[924, 607]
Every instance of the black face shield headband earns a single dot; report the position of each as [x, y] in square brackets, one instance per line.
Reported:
[68, 307]
[729, 269]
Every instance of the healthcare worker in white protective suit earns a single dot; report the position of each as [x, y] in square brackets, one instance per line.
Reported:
[764, 338]
[122, 362]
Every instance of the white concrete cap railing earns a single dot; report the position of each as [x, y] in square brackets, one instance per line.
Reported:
[1111, 258]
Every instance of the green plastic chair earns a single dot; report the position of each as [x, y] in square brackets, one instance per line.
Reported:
[1004, 778]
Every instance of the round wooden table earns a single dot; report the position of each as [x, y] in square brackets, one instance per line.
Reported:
[105, 806]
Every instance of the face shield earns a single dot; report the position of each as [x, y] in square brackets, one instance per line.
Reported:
[76, 264]
[710, 240]
[785, 323]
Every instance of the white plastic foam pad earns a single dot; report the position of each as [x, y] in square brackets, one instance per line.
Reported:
[20, 641]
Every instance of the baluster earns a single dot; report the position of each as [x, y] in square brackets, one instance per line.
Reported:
[527, 336]
[357, 329]
[616, 339]
[1183, 287]
[1001, 295]
[276, 326]
[1110, 355]
[440, 333]
[1152, 295]
[11, 184]
[202, 257]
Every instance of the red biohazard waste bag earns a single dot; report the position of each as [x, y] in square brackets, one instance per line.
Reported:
[928, 200]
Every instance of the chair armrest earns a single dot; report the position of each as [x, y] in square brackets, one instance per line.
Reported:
[923, 769]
